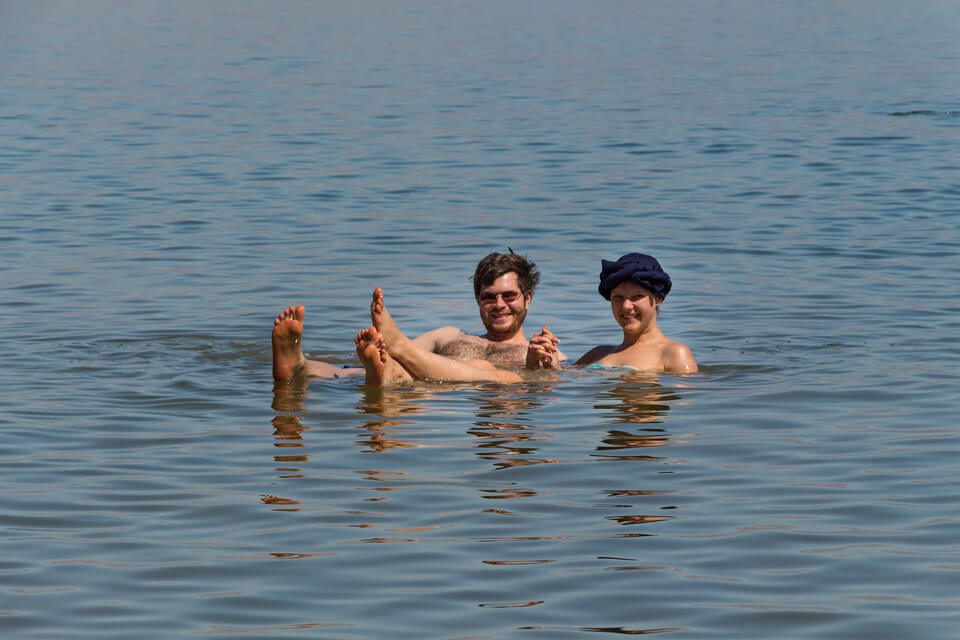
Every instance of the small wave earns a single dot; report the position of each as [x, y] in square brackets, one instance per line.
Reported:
[924, 112]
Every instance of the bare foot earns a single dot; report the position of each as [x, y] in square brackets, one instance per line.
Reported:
[287, 353]
[380, 368]
[373, 355]
[397, 343]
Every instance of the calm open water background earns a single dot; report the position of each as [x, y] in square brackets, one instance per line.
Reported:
[173, 173]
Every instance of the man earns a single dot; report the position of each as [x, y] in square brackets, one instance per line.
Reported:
[503, 286]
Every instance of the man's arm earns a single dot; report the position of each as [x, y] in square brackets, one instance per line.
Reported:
[433, 340]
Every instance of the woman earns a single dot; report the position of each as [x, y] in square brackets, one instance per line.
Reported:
[636, 286]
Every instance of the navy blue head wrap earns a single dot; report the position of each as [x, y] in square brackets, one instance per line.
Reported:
[638, 268]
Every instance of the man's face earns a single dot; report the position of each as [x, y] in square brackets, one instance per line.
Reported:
[503, 306]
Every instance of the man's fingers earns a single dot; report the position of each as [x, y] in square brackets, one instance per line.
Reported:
[541, 338]
[546, 333]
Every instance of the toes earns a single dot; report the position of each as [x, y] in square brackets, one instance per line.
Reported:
[365, 336]
[290, 313]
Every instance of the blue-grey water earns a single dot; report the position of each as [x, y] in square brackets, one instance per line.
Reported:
[174, 173]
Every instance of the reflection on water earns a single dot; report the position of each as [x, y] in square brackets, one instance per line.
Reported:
[277, 500]
[505, 435]
[389, 403]
[379, 439]
[288, 430]
[289, 397]
[507, 445]
[517, 402]
[637, 397]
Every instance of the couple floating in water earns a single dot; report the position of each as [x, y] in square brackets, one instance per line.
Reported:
[503, 285]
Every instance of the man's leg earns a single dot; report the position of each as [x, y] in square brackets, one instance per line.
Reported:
[426, 365]
[288, 358]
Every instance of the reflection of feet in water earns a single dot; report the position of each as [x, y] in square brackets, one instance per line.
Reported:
[379, 441]
[287, 427]
[287, 354]
[392, 401]
[289, 397]
[373, 355]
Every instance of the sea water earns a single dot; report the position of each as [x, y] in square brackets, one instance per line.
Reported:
[176, 173]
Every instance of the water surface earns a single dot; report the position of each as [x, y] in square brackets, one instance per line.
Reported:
[175, 173]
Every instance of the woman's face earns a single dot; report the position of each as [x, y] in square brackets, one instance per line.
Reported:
[634, 308]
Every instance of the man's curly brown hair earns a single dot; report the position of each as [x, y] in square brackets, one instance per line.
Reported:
[497, 264]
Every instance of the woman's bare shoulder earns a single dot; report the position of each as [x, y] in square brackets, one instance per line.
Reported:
[678, 358]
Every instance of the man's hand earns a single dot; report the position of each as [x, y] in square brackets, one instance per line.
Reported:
[542, 352]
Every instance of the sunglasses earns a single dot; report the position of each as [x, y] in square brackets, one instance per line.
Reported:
[509, 297]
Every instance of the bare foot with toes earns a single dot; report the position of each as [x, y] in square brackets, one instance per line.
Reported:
[287, 352]
[373, 355]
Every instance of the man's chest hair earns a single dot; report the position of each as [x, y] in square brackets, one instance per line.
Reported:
[467, 347]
